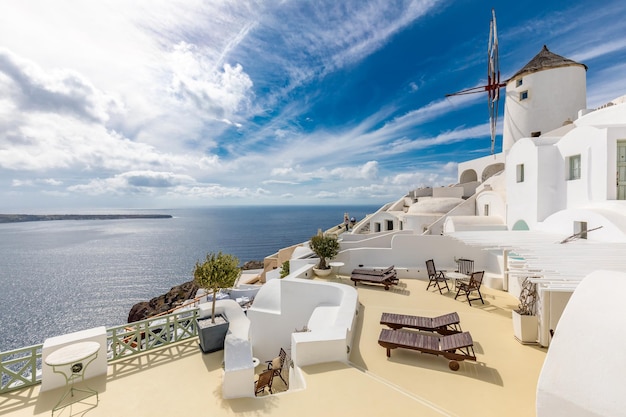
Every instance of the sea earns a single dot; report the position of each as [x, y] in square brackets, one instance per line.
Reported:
[63, 276]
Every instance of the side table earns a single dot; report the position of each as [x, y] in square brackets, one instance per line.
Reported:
[336, 265]
[71, 361]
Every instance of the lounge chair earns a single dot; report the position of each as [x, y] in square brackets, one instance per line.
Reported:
[435, 278]
[476, 279]
[276, 365]
[455, 347]
[386, 276]
[445, 324]
[265, 381]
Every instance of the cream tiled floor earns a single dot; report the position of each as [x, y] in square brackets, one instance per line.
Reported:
[180, 380]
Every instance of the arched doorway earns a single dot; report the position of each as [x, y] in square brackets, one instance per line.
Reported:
[520, 225]
[468, 176]
[492, 170]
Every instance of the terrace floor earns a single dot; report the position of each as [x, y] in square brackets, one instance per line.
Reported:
[180, 380]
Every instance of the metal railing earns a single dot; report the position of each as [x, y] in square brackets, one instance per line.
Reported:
[21, 368]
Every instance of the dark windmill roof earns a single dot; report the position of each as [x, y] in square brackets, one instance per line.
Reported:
[545, 60]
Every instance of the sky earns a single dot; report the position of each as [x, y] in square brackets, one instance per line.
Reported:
[184, 103]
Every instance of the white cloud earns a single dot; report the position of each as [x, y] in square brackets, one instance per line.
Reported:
[220, 93]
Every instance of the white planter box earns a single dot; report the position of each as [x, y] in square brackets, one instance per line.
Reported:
[525, 328]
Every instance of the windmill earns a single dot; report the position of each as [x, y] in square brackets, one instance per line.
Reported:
[493, 80]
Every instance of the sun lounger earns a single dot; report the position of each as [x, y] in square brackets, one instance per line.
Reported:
[455, 347]
[373, 271]
[386, 277]
[445, 324]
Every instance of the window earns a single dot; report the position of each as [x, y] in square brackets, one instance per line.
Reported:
[389, 224]
[574, 167]
[486, 209]
[519, 82]
[523, 95]
[520, 173]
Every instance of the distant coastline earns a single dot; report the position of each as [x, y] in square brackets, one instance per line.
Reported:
[16, 218]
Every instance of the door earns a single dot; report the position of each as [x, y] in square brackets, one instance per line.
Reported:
[621, 169]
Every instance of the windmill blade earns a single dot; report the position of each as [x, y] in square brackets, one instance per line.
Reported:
[493, 79]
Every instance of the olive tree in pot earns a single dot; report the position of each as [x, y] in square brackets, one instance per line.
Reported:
[325, 247]
[525, 324]
[216, 272]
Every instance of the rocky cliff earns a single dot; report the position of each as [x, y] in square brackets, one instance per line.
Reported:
[173, 298]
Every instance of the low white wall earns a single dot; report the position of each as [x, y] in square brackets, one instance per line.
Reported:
[51, 380]
[238, 380]
[409, 253]
[329, 308]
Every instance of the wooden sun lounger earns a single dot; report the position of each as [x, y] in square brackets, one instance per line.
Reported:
[445, 324]
[386, 277]
[455, 347]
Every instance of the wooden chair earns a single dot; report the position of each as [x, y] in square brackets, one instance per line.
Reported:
[465, 266]
[445, 324]
[276, 365]
[265, 381]
[476, 279]
[435, 277]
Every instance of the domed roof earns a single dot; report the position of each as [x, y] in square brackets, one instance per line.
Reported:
[545, 60]
[434, 205]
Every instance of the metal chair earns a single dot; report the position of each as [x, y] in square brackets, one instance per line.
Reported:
[465, 266]
[435, 277]
[473, 285]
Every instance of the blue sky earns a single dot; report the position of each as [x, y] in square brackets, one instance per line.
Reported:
[172, 103]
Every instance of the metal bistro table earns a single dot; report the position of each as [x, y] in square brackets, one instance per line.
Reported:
[71, 361]
[454, 276]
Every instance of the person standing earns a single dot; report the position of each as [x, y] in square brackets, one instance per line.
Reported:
[346, 221]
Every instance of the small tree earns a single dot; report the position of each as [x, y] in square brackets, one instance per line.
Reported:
[216, 272]
[325, 247]
[284, 269]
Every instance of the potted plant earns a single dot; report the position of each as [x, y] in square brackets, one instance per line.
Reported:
[525, 322]
[325, 247]
[216, 272]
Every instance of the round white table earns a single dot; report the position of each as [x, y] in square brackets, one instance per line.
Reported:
[454, 276]
[335, 265]
[71, 361]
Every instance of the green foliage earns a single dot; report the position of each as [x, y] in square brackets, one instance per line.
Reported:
[325, 247]
[217, 271]
[284, 269]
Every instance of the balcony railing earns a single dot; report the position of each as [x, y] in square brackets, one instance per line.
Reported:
[20, 368]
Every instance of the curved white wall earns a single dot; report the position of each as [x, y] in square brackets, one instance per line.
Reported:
[583, 372]
[554, 96]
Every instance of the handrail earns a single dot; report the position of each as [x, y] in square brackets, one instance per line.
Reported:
[21, 368]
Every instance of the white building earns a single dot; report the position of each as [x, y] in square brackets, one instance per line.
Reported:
[562, 172]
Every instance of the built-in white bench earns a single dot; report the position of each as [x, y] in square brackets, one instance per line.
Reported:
[323, 317]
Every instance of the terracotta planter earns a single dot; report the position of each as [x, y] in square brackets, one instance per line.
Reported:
[525, 328]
